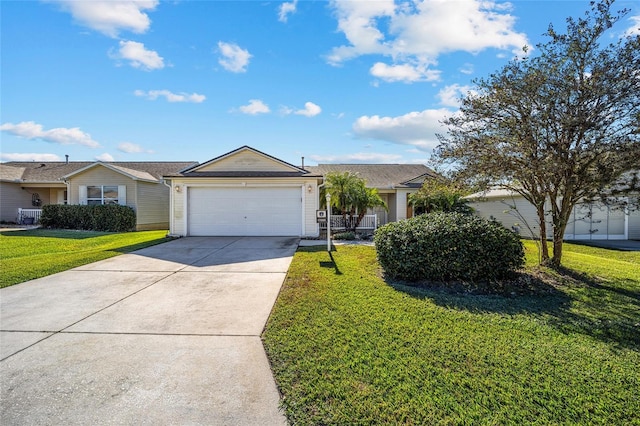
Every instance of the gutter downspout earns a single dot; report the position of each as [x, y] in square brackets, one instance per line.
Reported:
[68, 185]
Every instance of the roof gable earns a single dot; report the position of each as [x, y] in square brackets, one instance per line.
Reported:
[417, 181]
[130, 173]
[244, 160]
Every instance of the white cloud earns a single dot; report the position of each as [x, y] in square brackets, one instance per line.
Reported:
[138, 56]
[358, 21]
[60, 135]
[310, 110]
[111, 17]
[417, 33]
[104, 157]
[132, 148]
[234, 58]
[635, 26]
[255, 106]
[405, 72]
[450, 95]
[467, 69]
[28, 157]
[415, 128]
[358, 157]
[170, 96]
[286, 9]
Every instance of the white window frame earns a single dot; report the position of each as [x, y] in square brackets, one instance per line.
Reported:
[85, 199]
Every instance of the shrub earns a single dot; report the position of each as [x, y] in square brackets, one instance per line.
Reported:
[107, 217]
[448, 247]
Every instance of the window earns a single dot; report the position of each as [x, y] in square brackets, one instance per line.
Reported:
[105, 194]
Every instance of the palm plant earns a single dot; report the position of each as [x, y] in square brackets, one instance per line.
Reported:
[350, 195]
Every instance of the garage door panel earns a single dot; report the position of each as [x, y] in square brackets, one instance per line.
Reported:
[265, 211]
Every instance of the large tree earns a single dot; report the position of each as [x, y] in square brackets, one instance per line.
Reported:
[560, 126]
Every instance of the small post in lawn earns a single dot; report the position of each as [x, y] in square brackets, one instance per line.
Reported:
[328, 200]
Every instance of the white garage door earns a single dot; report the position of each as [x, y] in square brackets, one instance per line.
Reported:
[268, 211]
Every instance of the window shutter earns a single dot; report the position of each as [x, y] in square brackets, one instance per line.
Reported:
[122, 195]
[82, 192]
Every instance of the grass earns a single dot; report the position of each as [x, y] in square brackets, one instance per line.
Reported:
[348, 348]
[26, 255]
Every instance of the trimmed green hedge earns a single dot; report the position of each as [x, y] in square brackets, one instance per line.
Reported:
[448, 247]
[106, 217]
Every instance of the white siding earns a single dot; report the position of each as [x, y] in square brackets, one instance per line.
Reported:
[634, 222]
[311, 202]
[178, 221]
[523, 218]
[587, 221]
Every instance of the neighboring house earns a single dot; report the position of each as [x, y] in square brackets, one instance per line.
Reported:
[394, 183]
[30, 185]
[589, 221]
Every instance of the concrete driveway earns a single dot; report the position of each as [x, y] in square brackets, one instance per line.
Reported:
[165, 335]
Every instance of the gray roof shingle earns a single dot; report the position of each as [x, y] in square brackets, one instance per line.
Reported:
[54, 171]
[381, 176]
[10, 173]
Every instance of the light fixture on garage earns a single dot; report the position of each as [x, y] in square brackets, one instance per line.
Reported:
[309, 188]
[178, 188]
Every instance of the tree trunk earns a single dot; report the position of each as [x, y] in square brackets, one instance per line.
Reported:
[559, 227]
[544, 249]
[351, 225]
[557, 248]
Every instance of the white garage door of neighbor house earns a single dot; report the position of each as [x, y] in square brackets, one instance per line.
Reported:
[268, 211]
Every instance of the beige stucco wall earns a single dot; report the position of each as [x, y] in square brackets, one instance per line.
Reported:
[178, 226]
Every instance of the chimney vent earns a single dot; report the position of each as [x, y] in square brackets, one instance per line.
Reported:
[302, 163]
[66, 156]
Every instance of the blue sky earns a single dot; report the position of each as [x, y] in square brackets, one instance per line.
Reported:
[333, 81]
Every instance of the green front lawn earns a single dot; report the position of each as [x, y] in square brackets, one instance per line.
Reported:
[348, 348]
[25, 255]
